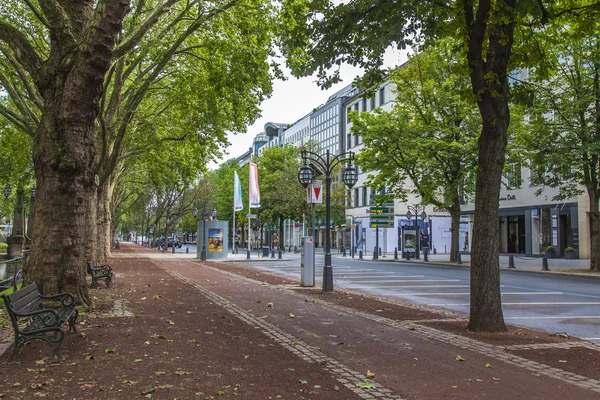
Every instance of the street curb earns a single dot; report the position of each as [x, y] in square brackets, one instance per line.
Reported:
[540, 272]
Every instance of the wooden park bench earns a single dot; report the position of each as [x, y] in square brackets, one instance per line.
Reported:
[33, 320]
[99, 272]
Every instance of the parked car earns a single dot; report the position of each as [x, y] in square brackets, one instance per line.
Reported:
[160, 242]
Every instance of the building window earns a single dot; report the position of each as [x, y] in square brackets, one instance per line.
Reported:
[349, 140]
[373, 103]
[513, 177]
[356, 197]
[348, 114]
[364, 104]
[348, 198]
[355, 140]
[382, 96]
[365, 200]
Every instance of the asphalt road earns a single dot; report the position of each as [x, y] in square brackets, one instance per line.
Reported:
[554, 303]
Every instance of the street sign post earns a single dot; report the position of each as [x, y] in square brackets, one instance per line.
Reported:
[381, 216]
[251, 216]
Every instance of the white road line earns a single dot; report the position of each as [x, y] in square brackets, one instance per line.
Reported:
[461, 294]
[388, 281]
[412, 286]
[560, 317]
[414, 280]
[525, 304]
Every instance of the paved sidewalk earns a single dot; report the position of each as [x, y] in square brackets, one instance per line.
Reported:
[183, 329]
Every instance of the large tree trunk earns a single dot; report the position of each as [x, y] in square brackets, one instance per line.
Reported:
[455, 229]
[594, 221]
[71, 83]
[91, 252]
[489, 78]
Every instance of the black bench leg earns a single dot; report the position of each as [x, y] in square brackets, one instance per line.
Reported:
[73, 320]
[108, 281]
[55, 343]
[13, 354]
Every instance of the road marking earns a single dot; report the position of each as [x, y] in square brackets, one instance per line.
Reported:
[412, 286]
[462, 294]
[415, 280]
[560, 317]
[525, 304]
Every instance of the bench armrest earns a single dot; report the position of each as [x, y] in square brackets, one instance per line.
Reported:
[44, 316]
[104, 265]
[66, 299]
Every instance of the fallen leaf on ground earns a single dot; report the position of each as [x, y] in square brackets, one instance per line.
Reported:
[303, 381]
[292, 315]
[365, 385]
[459, 358]
[488, 365]
[370, 374]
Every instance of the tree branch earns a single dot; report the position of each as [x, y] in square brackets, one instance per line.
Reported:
[23, 50]
[133, 39]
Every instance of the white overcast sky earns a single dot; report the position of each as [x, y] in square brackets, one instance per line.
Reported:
[294, 98]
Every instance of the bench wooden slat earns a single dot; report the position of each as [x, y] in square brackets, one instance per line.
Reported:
[30, 302]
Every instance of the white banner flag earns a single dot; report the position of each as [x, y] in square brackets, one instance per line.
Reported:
[237, 193]
[254, 190]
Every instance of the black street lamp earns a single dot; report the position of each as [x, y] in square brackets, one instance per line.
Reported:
[315, 164]
[205, 215]
[409, 215]
[7, 191]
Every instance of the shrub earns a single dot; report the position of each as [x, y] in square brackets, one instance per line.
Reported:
[550, 249]
[569, 250]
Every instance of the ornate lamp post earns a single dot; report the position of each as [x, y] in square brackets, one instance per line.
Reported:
[314, 165]
[205, 215]
[7, 191]
[409, 215]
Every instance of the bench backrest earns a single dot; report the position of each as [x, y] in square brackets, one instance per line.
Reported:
[24, 300]
[91, 265]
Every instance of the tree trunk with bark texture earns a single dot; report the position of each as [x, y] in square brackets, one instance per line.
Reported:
[492, 29]
[594, 221]
[91, 252]
[455, 229]
[71, 82]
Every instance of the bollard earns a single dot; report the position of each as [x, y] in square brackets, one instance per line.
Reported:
[360, 255]
[545, 264]
[458, 259]
[247, 254]
[426, 255]
[434, 251]
[173, 248]
[343, 252]
[295, 249]
[375, 253]
[511, 261]
[407, 255]
[279, 257]
[273, 253]
[380, 252]
[395, 253]
[187, 250]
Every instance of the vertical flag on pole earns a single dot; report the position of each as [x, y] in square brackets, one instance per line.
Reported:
[254, 192]
[237, 193]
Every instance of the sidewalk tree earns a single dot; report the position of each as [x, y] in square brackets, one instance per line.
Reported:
[281, 195]
[430, 136]
[222, 182]
[87, 84]
[562, 134]
[320, 35]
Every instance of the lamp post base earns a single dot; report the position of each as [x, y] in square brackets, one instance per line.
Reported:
[203, 254]
[327, 275]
